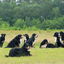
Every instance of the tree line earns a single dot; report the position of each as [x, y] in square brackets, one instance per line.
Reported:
[38, 14]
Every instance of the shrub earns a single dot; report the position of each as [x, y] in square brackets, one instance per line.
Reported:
[19, 23]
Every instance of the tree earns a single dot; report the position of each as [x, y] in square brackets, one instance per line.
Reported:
[46, 7]
[55, 12]
[28, 21]
[36, 23]
[17, 12]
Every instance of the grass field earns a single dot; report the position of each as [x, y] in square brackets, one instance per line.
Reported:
[41, 56]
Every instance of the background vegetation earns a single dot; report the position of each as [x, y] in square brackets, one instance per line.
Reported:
[32, 15]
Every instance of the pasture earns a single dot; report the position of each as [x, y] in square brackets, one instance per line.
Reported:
[41, 56]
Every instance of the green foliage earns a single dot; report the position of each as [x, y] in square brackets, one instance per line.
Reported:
[48, 29]
[13, 4]
[15, 28]
[19, 23]
[24, 27]
[24, 3]
[57, 23]
[36, 23]
[32, 15]
[1, 21]
[32, 28]
[5, 26]
[28, 21]
[17, 12]
[55, 12]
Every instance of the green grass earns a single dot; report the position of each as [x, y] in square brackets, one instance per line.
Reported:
[41, 56]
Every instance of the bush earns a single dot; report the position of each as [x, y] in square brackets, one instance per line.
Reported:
[32, 28]
[19, 23]
[5, 26]
[24, 27]
[15, 28]
[48, 29]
